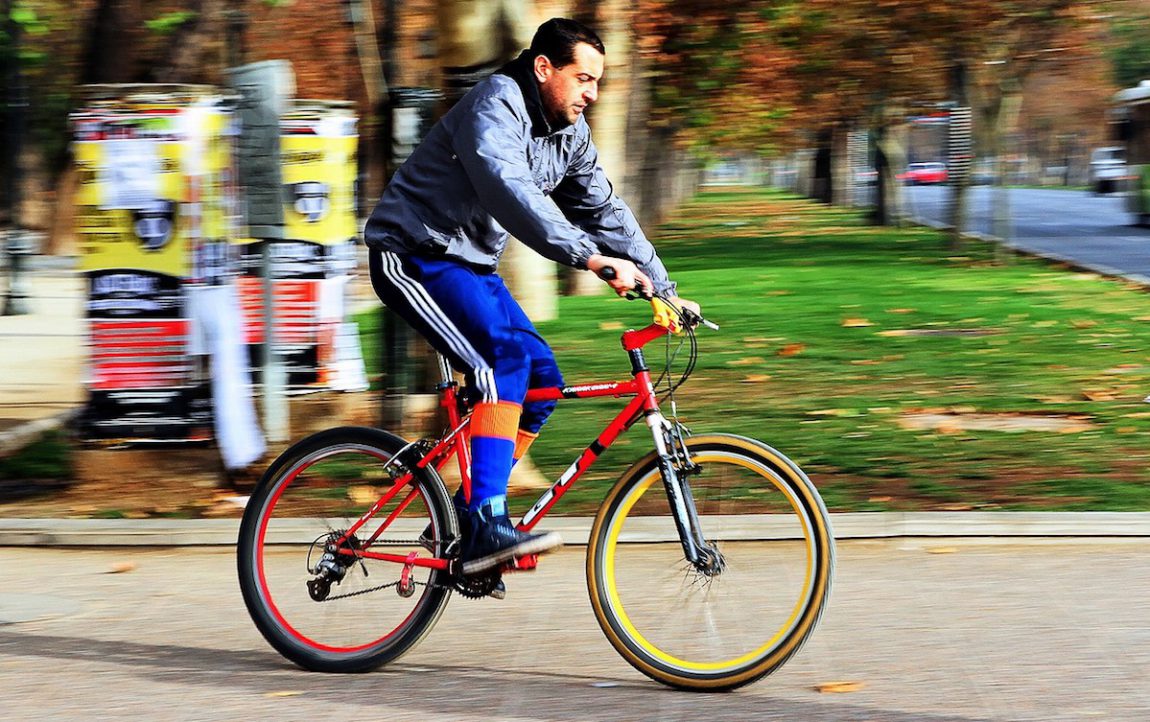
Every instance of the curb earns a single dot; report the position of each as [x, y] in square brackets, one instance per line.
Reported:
[1014, 527]
[21, 435]
[1099, 268]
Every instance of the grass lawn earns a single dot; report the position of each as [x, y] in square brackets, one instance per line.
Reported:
[834, 334]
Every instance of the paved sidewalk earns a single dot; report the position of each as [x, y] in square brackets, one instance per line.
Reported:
[929, 632]
[43, 353]
[1012, 527]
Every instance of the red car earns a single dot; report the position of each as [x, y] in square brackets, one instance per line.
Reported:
[924, 174]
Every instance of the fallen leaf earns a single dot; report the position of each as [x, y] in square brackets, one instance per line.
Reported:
[779, 292]
[880, 499]
[838, 687]
[284, 693]
[833, 412]
[900, 310]
[122, 567]
[610, 325]
[1083, 324]
[792, 349]
[756, 378]
[362, 494]
[856, 323]
[1098, 395]
[747, 361]
[942, 550]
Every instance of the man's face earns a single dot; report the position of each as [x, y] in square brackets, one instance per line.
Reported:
[566, 92]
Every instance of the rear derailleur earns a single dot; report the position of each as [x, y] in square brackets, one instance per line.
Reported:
[332, 565]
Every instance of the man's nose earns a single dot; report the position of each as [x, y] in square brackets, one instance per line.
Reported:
[592, 93]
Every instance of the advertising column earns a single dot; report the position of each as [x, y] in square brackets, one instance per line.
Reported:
[137, 244]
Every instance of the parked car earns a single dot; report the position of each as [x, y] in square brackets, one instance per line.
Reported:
[924, 173]
[1107, 169]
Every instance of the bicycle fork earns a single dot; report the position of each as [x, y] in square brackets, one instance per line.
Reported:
[698, 552]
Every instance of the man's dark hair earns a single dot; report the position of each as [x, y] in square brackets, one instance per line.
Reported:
[558, 37]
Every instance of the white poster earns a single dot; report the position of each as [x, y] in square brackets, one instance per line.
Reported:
[129, 175]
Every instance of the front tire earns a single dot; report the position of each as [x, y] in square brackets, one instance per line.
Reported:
[699, 631]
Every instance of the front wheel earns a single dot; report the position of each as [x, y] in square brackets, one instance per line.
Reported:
[732, 622]
[334, 601]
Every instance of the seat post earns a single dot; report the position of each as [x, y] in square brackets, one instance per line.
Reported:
[445, 369]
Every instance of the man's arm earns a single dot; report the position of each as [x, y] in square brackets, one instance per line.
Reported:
[491, 146]
[586, 198]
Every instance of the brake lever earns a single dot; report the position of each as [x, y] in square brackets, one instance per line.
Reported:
[695, 319]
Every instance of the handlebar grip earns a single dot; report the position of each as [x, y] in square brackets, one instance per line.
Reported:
[607, 273]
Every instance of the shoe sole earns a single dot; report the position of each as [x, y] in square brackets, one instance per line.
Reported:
[543, 543]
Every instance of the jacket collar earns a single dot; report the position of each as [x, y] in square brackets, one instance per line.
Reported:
[522, 71]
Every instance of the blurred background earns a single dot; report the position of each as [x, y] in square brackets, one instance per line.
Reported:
[847, 102]
[736, 88]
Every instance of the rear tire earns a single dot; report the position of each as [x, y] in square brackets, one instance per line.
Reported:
[317, 488]
[691, 630]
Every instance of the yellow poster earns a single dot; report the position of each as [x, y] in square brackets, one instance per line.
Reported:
[148, 235]
[319, 188]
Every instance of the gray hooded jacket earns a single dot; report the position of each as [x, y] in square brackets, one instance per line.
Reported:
[492, 166]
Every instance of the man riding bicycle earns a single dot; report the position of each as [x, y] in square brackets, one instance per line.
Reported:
[514, 156]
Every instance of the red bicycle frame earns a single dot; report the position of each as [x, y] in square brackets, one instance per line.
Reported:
[456, 443]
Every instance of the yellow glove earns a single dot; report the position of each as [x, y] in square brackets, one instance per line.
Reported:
[666, 316]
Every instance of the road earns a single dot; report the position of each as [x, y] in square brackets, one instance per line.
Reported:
[1093, 231]
[936, 631]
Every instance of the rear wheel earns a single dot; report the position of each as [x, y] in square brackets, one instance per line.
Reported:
[746, 613]
[304, 580]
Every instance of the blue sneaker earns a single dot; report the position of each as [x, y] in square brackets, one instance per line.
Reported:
[494, 540]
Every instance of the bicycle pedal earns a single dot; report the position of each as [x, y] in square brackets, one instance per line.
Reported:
[522, 564]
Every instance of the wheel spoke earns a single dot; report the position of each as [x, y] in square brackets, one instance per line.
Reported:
[695, 627]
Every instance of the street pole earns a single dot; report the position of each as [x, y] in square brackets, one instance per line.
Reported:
[395, 334]
[264, 89]
[16, 243]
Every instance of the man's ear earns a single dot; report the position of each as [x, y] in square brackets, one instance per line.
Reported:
[543, 68]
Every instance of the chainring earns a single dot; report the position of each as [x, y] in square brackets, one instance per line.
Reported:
[477, 586]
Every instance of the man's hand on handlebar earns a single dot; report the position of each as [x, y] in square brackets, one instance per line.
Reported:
[674, 313]
[624, 276]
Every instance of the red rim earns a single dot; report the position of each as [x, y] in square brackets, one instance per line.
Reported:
[269, 602]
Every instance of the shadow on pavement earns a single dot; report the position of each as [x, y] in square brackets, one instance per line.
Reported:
[444, 691]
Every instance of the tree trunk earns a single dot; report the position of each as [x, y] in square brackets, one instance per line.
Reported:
[114, 33]
[840, 167]
[890, 158]
[821, 182]
[1007, 111]
[61, 240]
[196, 52]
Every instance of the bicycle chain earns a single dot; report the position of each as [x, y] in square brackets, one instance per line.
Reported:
[390, 542]
[372, 589]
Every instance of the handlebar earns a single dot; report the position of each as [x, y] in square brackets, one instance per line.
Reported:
[689, 318]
